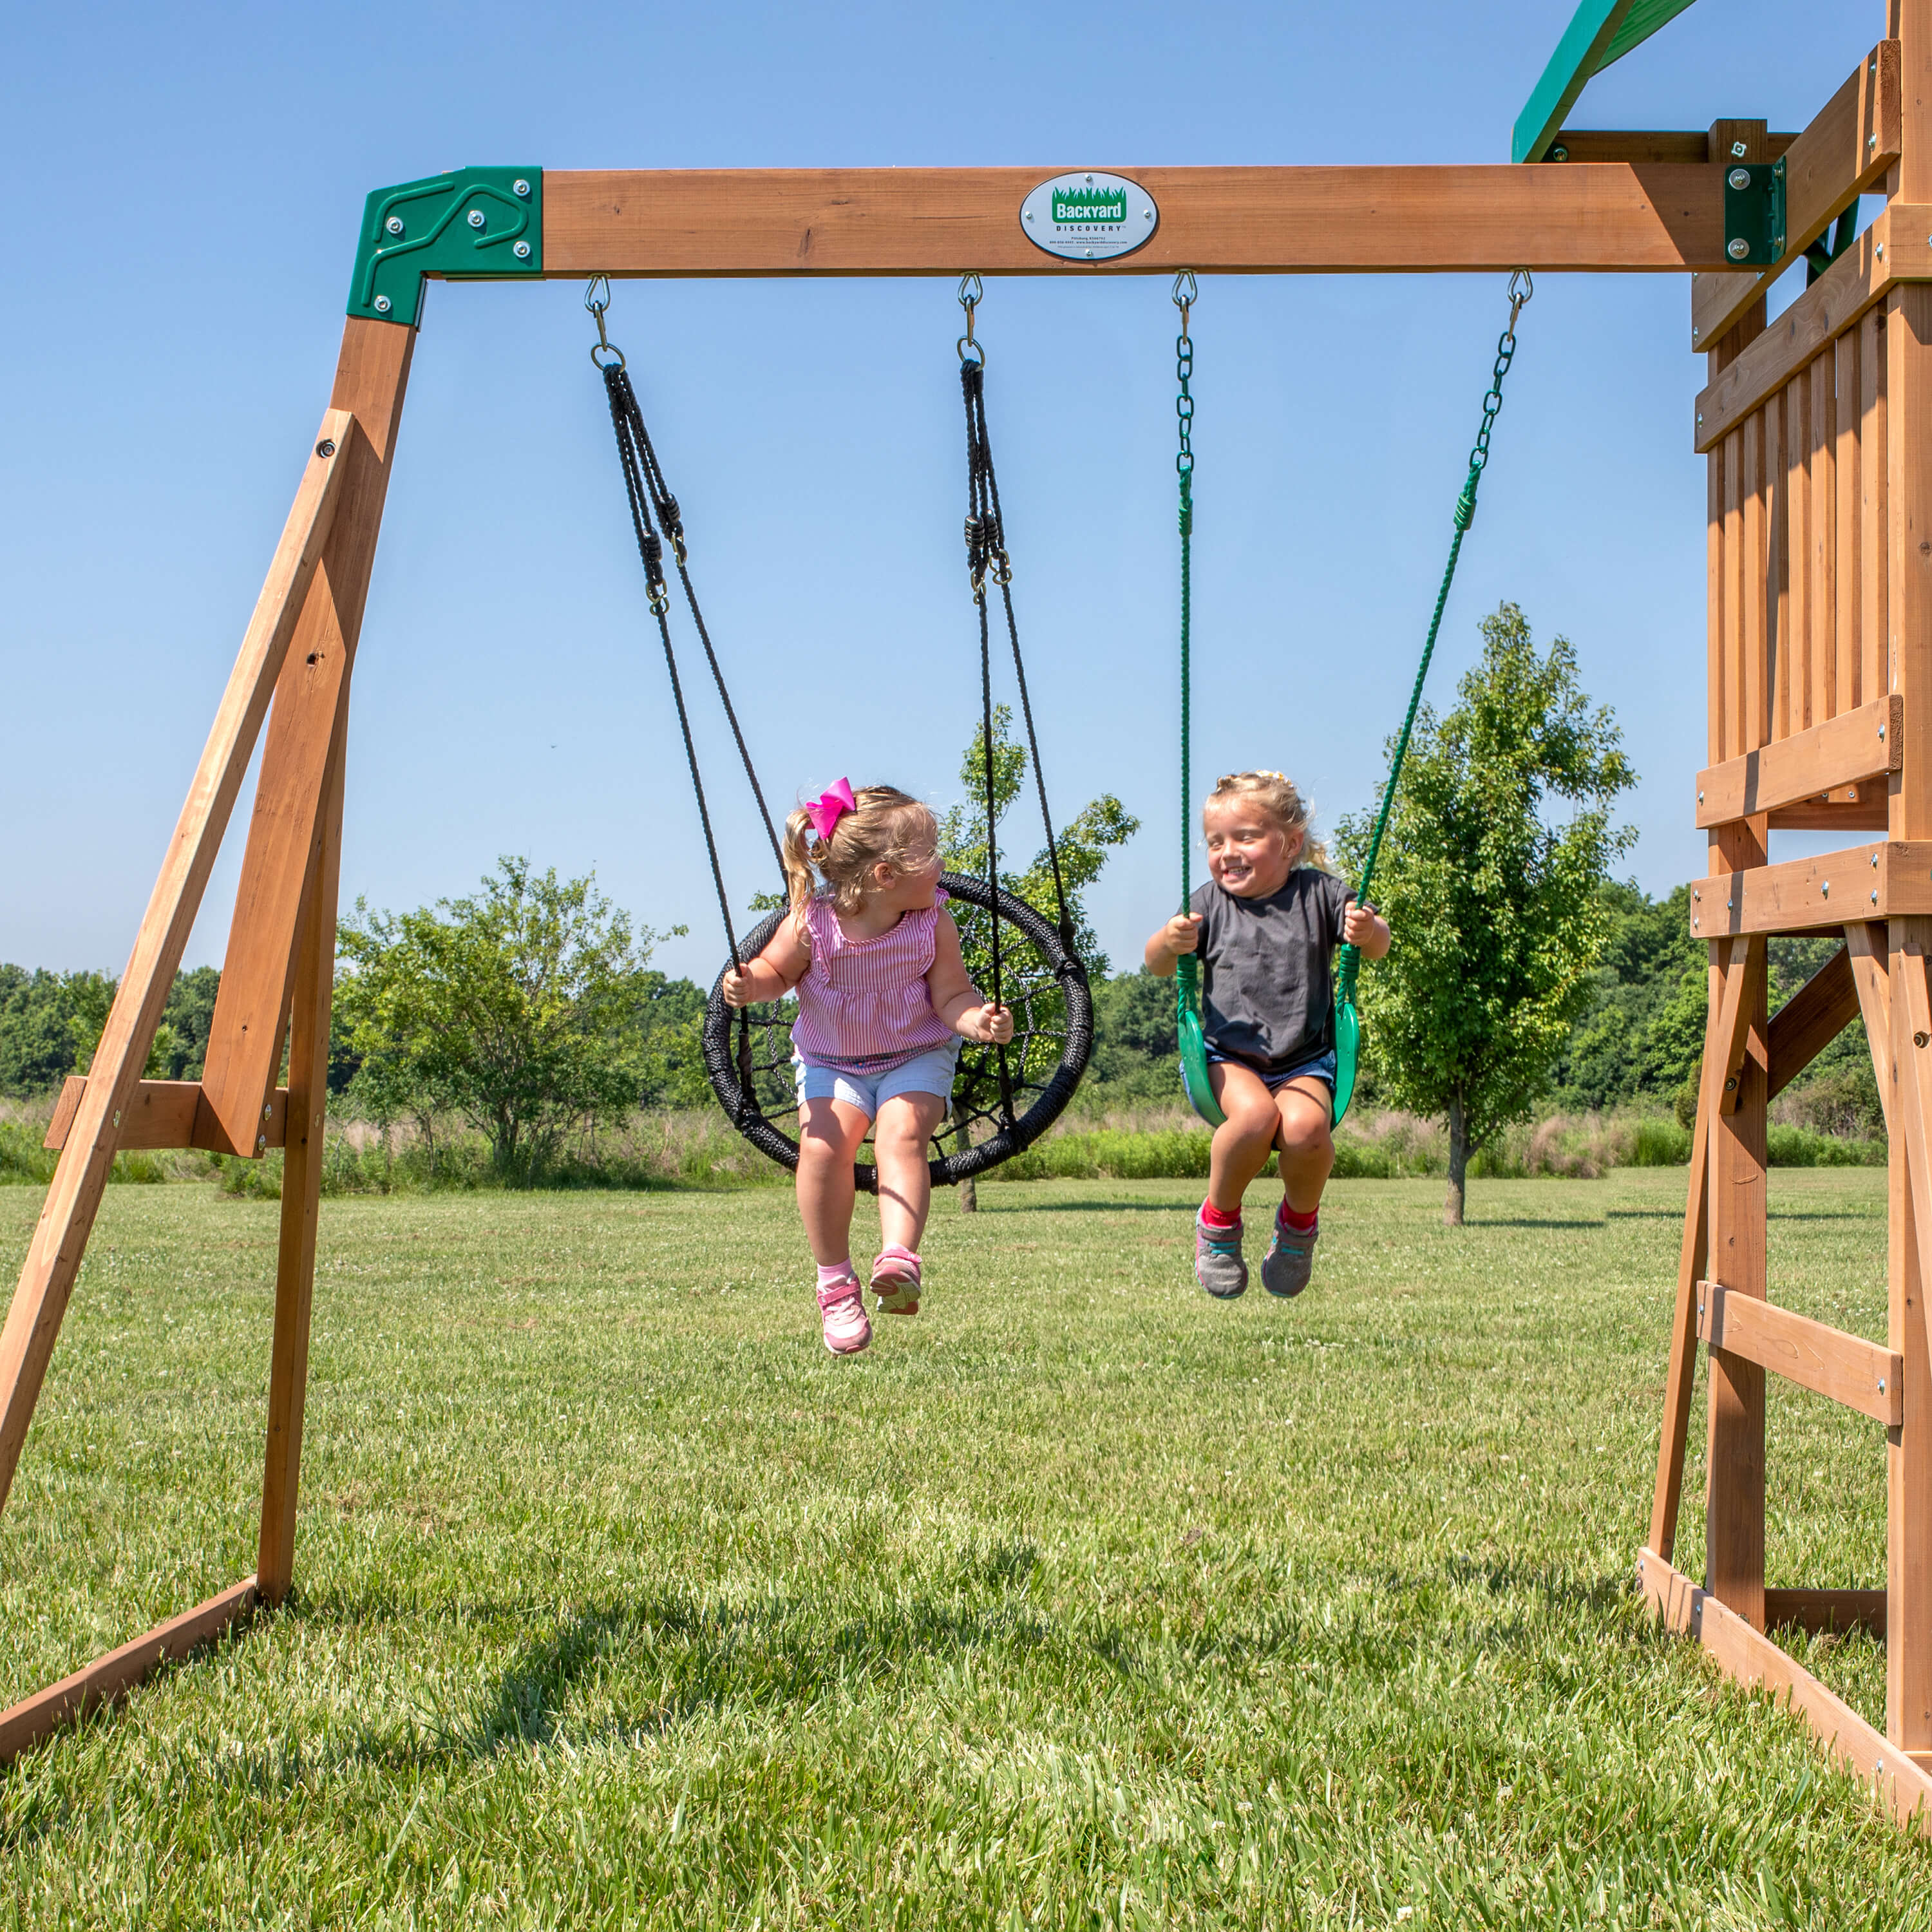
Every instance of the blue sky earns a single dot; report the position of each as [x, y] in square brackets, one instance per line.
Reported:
[185, 185]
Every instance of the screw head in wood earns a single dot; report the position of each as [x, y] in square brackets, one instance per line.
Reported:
[1560, 153]
[1874, 895]
[261, 1143]
[326, 447]
[1740, 178]
[1881, 730]
[394, 224]
[476, 218]
[1881, 1385]
[1825, 888]
[1737, 248]
[268, 1111]
[1731, 1083]
[1738, 151]
[1920, 1038]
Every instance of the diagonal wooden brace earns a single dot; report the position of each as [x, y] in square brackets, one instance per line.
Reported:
[285, 831]
[1866, 944]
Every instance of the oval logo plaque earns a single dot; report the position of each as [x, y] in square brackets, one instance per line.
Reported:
[1085, 215]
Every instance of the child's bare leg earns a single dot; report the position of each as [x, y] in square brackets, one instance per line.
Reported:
[1244, 1141]
[828, 1134]
[900, 1138]
[1304, 1108]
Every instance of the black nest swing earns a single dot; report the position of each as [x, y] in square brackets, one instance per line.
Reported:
[1004, 1096]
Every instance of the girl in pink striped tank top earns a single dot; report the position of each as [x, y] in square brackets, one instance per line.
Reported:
[884, 1000]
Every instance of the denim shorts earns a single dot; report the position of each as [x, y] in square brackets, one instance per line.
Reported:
[1322, 1067]
[932, 1073]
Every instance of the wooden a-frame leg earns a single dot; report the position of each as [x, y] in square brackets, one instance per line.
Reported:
[72, 1199]
[314, 972]
[1691, 1256]
[1734, 1463]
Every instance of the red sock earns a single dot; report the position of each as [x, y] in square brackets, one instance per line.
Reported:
[1211, 1216]
[1298, 1224]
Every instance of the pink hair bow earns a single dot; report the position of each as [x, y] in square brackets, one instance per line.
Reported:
[826, 812]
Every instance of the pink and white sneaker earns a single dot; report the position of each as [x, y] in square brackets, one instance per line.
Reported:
[842, 1309]
[896, 1280]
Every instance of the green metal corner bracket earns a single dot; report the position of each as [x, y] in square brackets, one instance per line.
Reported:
[475, 224]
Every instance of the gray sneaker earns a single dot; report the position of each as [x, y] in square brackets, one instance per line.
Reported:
[1290, 1259]
[1218, 1265]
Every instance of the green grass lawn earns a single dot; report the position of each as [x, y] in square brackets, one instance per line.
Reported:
[1079, 1600]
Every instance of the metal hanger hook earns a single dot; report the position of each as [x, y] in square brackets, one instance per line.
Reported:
[1187, 293]
[1521, 286]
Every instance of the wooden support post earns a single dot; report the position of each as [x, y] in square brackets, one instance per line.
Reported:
[1903, 563]
[245, 1035]
[46, 1276]
[302, 1188]
[1734, 1506]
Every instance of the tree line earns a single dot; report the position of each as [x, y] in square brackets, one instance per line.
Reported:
[1526, 976]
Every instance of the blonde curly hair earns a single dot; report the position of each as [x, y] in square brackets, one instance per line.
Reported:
[889, 827]
[1274, 792]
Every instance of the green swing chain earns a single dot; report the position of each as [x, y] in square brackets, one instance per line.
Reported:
[1521, 288]
[1185, 289]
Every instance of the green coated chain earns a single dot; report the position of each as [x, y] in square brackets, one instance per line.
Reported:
[1185, 289]
[1521, 288]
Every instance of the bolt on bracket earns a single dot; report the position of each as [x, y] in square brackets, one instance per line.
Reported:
[475, 224]
[1754, 212]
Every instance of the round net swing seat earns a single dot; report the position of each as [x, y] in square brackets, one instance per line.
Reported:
[1043, 984]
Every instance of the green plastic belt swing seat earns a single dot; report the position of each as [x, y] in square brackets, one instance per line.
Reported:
[1347, 963]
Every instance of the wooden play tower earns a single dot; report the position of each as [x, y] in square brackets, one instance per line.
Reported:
[1817, 433]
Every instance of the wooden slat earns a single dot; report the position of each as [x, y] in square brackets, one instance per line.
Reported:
[1865, 949]
[1731, 645]
[1851, 558]
[1826, 1612]
[1799, 716]
[1776, 575]
[1847, 148]
[1821, 520]
[113, 1675]
[67, 1214]
[1842, 751]
[1813, 894]
[1895, 249]
[1811, 1020]
[1842, 1368]
[166, 1113]
[1731, 1038]
[247, 1032]
[1874, 670]
[1754, 722]
[1753, 1660]
[1265, 220]
[301, 1191]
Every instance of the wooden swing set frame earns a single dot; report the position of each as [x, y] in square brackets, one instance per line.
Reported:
[1817, 433]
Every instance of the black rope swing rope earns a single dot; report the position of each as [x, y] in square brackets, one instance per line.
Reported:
[1004, 1097]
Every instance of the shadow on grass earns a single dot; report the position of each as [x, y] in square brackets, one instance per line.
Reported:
[1089, 1207]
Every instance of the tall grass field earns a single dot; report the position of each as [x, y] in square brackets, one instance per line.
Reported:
[1078, 1601]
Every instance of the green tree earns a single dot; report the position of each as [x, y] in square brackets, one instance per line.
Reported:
[1499, 916]
[522, 1008]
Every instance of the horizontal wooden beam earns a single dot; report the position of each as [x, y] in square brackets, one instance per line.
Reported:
[1750, 1658]
[112, 1676]
[1882, 881]
[1845, 151]
[1810, 1021]
[1826, 1612]
[1634, 145]
[1657, 217]
[167, 1114]
[1896, 248]
[1846, 810]
[1840, 1367]
[1855, 744]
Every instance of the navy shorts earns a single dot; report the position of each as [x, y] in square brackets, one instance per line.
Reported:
[1322, 1067]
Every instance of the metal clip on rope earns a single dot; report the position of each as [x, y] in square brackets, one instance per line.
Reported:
[972, 292]
[597, 305]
